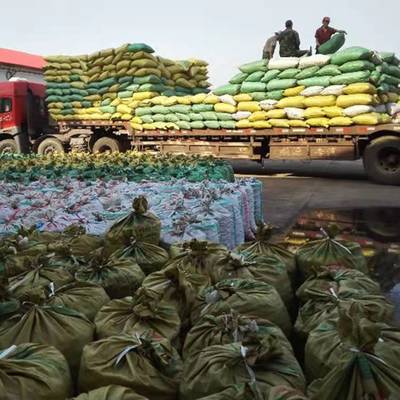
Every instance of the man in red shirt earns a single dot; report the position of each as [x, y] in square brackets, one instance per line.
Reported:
[323, 34]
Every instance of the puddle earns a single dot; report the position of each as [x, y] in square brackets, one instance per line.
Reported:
[377, 230]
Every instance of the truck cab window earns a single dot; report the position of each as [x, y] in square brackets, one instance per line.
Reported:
[5, 105]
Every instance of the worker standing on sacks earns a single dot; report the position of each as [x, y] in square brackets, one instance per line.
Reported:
[325, 32]
[289, 42]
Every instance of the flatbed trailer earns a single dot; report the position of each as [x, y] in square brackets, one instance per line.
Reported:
[24, 127]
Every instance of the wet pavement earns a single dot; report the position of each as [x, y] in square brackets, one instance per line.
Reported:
[293, 187]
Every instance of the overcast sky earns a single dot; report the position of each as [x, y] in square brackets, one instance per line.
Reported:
[226, 33]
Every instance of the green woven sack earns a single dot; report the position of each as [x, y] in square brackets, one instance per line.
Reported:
[125, 94]
[150, 87]
[158, 117]
[249, 87]
[271, 74]
[180, 108]
[275, 95]
[209, 116]
[212, 124]
[355, 66]
[351, 77]
[224, 116]
[307, 73]
[125, 79]
[388, 69]
[258, 96]
[107, 109]
[255, 66]
[197, 125]
[195, 117]
[140, 111]
[141, 80]
[389, 58]
[255, 76]
[198, 108]
[238, 78]
[183, 117]
[184, 125]
[135, 47]
[227, 89]
[160, 110]
[171, 118]
[335, 43]
[279, 84]
[351, 54]
[227, 124]
[329, 70]
[316, 81]
[289, 73]
[147, 119]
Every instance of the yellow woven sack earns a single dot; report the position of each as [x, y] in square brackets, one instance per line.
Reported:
[291, 92]
[136, 120]
[124, 109]
[136, 127]
[358, 88]
[242, 97]
[225, 108]
[341, 121]
[348, 100]
[116, 102]
[279, 123]
[261, 125]
[186, 100]
[116, 116]
[333, 112]
[244, 124]
[134, 104]
[258, 116]
[320, 101]
[251, 106]
[149, 127]
[292, 102]
[276, 114]
[211, 99]
[385, 119]
[367, 119]
[318, 122]
[297, 123]
[143, 95]
[314, 112]
[198, 98]
[126, 117]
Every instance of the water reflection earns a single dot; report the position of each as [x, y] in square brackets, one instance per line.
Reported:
[377, 230]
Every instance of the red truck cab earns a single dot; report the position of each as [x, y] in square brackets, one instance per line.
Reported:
[23, 114]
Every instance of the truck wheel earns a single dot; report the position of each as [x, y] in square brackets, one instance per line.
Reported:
[106, 144]
[8, 146]
[50, 145]
[382, 160]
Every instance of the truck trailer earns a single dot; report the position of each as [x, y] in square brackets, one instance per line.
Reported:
[25, 127]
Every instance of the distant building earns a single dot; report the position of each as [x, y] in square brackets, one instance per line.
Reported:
[17, 64]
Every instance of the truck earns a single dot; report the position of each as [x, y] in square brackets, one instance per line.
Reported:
[25, 127]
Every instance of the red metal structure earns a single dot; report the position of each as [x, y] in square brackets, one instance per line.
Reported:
[24, 126]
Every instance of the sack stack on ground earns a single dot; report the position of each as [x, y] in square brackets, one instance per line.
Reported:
[352, 86]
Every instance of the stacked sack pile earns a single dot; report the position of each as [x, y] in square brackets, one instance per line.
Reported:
[109, 84]
[121, 316]
[352, 86]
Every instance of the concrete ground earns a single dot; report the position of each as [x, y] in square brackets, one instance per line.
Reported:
[291, 187]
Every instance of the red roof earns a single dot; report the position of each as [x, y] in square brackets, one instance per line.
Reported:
[19, 58]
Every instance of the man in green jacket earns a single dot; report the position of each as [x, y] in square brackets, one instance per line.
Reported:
[289, 42]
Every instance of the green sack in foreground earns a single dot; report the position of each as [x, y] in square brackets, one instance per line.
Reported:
[351, 54]
[33, 371]
[218, 367]
[366, 369]
[135, 47]
[111, 392]
[330, 343]
[141, 313]
[278, 84]
[356, 66]
[335, 43]
[271, 74]
[255, 76]
[83, 297]
[140, 223]
[151, 367]
[249, 87]
[262, 245]
[309, 72]
[244, 296]
[324, 81]
[238, 78]
[315, 255]
[351, 77]
[228, 328]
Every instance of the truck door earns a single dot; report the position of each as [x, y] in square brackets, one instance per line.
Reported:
[6, 119]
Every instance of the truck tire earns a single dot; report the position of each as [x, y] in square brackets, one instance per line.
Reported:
[8, 146]
[50, 145]
[106, 144]
[382, 160]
